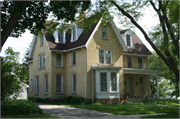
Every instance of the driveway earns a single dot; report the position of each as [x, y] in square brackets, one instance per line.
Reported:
[64, 112]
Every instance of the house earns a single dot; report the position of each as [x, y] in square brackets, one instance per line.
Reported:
[101, 64]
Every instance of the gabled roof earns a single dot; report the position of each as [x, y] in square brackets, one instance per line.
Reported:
[138, 47]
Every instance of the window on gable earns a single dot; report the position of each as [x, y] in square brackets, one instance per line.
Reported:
[141, 84]
[41, 39]
[74, 83]
[130, 82]
[113, 81]
[108, 56]
[129, 58]
[140, 62]
[59, 84]
[59, 60]
[103, 81]
[60, 37]
[128, 40]
[41, 61]
[73, 58]
[101, 56]
[104, 32]
[46, 84]
[37, 85]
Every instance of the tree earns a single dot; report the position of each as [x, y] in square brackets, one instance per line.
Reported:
[20, 15]
[12, 74]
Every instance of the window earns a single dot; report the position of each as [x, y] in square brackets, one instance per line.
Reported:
[108, 56]
[73, 58]
[46, 84]
[41, 39]
[59, 60]
[113, 81]
[37, 85]
[31, 85]
[104, 32]
[74, 83]
[140, 62]
[130, 82]
[60, 37]
[128, 40]
[141, 84]
[41, 61]
[103, 82]
[59, 84]
[101, 56]
[129, 61]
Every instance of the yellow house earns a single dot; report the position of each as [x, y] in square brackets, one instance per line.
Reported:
[102, 64]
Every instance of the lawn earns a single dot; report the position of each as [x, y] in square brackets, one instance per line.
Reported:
[44, 115]
[164, 102]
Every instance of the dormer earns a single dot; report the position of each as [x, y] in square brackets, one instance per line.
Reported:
[75, 32]
[59, 35]
[127, 36]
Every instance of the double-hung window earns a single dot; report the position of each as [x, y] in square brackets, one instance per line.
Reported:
[141, 84]
[59, 84]
[130, 82]
[140, 62]
[46, 84]
[59, 60]
[128, 40]
[103, 81]
[73, 83]
[73, 58]
[104, 32]
[129, 60]
[101, 56]
[31, 85]
[113, 81]
[41, 61]
[60, 37]
[41, 39]
[108, 56]
[37, 85]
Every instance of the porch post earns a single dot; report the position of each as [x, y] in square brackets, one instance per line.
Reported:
[157, 84]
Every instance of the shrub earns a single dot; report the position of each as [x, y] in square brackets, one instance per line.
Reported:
[17, 107]
[74, 99]
[67, 99]
[39, 100]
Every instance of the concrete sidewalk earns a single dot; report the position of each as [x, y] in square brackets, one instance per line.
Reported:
[64, 112]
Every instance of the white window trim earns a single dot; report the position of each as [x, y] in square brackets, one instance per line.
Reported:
[111, 55]
[56, 35]
[72, 83]
[61, 83]
[45, 78]
[72, 58]
[104, 57]
[37, 78]
[143, 84]
[41, 40]
[132, 84]
[31, 85]
[106, 82]
[129, 33]
[131, 62]
[42, 61]
[106, 32]
[142, 63]
[61, 60]
[73, 25]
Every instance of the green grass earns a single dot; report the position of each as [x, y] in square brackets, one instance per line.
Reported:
[44, 115]
[169, 115]
[164, 102]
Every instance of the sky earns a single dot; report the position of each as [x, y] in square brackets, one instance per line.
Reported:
[20, 44]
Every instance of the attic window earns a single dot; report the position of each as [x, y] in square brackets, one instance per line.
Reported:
[73, 32]
[41, 41]
[60, 37]
[128, 40]
[104, 32]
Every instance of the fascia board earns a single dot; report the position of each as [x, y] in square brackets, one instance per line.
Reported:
[136, 54]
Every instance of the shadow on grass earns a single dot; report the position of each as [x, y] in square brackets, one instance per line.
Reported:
[169, 115]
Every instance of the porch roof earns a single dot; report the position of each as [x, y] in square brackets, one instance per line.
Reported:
[105, 67]
[140, 71]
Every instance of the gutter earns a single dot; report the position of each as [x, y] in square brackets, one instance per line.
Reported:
[69, 49]
[85, 75]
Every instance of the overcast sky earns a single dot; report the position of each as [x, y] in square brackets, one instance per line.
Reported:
[20, 44]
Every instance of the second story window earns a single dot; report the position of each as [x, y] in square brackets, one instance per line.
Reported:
[104, 32]
[108, 56]
[129, 61]
[41, 39]
[41, 61]
[60, 37]
[101, 56]
[59, 60]
[140, 62]
[128, 40]
[73, 58]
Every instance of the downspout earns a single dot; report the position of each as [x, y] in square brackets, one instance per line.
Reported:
[85, 74]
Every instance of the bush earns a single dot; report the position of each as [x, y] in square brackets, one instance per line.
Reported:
[74, 99]
[17, 107]
[39, 100]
